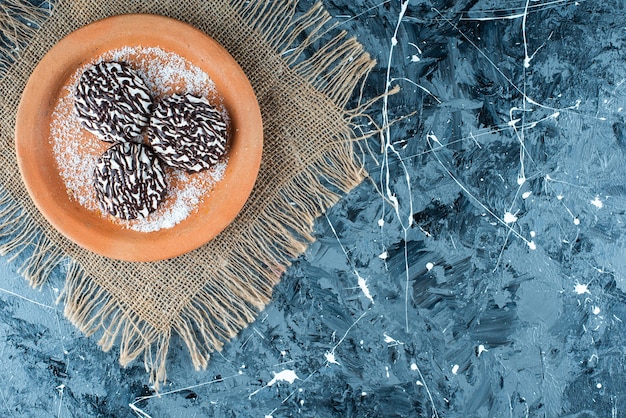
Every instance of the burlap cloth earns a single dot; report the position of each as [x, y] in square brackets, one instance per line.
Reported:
[304, 75]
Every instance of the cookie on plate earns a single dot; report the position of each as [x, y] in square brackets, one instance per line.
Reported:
[129, 181]
[187, 132]
[113, 102]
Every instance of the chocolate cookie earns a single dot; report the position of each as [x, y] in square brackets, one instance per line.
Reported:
[129, 180]
[187, 132]
[113, 102]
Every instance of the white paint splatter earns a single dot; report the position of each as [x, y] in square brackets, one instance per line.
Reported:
[531, 245]
[599, 385]
[391, 340]
[330, 358]
[429, 266]
[533, 234]
[415, 58]
[481, 349]
[413, 366]
[576, 221]
[284, 376]
[434, 138]
[526, 195]
[513, 122]
[360, 280]
[381, 222]
[384, 255]
[581, 289]
[509, 218]
[478, 201]
[363, 286]
[288, 376]
[597, 203]
[596, 310]
[455, 369]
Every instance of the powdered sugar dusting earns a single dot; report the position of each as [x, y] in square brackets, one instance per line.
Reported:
[75, 157]
[177, 76]
[76, 150]
[181, 201]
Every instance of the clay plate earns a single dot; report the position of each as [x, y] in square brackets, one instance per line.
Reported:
[39, 169]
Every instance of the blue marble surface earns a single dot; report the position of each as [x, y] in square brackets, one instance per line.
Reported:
[479, 272]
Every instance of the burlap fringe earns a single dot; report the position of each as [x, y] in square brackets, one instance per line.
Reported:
[282, 231]
[19, 20]
[92, 310]
[20, 238]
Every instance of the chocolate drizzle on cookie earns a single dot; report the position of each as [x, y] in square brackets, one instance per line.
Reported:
[183, 131]
[129, 181]
[113, 102]
[187, 132]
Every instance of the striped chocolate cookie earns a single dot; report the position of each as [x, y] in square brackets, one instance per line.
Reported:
[113, 102]
[129, 181]
[187, 132]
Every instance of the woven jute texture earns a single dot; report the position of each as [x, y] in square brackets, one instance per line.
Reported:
[304, 73]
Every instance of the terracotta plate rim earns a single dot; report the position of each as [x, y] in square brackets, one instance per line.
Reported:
[38, 167]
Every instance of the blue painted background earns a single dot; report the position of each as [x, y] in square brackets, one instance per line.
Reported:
[480, 271]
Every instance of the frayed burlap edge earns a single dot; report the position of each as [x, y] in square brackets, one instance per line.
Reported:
[19, 20]
[281, 231]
